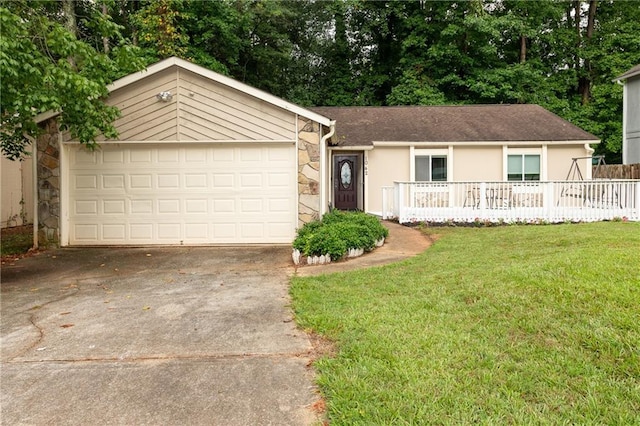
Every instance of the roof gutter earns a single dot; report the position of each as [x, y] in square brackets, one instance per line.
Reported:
[482, 143]
[323, 166]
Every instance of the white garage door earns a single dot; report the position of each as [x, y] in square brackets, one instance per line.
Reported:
[182, 194]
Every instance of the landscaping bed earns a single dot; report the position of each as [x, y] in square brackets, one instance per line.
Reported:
[337, 235]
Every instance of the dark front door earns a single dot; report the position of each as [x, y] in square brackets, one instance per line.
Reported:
[345, 183]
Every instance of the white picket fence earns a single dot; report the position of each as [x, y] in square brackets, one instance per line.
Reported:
[552, 201]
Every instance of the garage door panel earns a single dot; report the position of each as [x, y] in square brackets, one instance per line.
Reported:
[197, 231]
[82, 157]
[250, 180]
[113, 181]
[116, 207]
[113, 157]
[223, 155]
[250, 155]
[86, 232]
[196, 206]
[140, 156]
[85, 182]
[248, 205]
[196, 155]
[252, 230]
[195, 181]
[223, 180]
[141, 207]
[223, 205]
[140, 181]
[279, 230]
[168, 181]
[86, 207]
[192, 194]
[169, 231]
[168, 155]
[280, 205]
[114, 232]
[141, 233]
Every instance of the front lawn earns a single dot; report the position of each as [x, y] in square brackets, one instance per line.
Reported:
[505, 325]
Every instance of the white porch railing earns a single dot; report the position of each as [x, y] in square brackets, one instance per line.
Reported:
[555, 201]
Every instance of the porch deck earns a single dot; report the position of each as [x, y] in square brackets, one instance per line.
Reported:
[529, 201]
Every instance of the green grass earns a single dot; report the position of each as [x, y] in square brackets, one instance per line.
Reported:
[16, 240]
[507, 325]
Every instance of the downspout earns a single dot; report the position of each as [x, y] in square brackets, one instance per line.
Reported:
[323, 166]
[624, 120]
[34, 169]
[589, 169]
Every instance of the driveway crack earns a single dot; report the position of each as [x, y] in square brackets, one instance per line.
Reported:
[41, 333]
[135, 359]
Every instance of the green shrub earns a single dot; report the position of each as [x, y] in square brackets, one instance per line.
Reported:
[339, 231]
[304, 235]
[354, 235]
[327, 240]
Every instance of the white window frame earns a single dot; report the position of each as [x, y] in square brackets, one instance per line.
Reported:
[445, 152]
[507, 151]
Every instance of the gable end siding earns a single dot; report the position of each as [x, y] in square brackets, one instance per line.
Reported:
[211, 111]
[200, 110]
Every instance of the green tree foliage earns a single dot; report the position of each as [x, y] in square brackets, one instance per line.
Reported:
[44, 67]
[561, 54]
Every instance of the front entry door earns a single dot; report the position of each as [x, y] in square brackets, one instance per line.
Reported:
[345, 183]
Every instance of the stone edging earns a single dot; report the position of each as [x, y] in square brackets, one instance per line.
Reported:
[300, 260]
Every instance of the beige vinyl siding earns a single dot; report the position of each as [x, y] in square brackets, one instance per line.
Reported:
[483, 163]
[385, 165]
[211, 111]
[200, 110]
[559, 160]
[142, 116]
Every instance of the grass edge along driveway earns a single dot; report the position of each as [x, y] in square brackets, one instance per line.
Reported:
[507, 325]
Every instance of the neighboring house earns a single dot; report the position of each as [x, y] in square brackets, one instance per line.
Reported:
[200, 159]
[631, 115]
[382, 145]
[17, 192]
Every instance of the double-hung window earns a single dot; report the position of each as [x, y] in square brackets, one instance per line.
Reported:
[522, 167]
[430, 168]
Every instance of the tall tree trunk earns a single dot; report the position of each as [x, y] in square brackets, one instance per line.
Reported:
[105, 40]
[523, 49]
[70, 23]
[585, 79]
[577, 15]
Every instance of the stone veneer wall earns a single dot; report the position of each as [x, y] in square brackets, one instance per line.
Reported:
[308, 171]
[48, 146]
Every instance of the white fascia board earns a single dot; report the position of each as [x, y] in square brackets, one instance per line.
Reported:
[482, 143]
[351, 148]
[44, 116]
[227, 81]
[187, 142]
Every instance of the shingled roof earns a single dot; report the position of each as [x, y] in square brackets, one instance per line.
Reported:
[362, 126]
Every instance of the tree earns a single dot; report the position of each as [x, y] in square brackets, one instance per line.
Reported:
[44, 67]
[159, 30]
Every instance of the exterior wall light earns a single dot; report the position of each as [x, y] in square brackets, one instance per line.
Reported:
[164, 96]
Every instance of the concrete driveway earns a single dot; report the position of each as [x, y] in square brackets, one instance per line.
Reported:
[158, 336]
